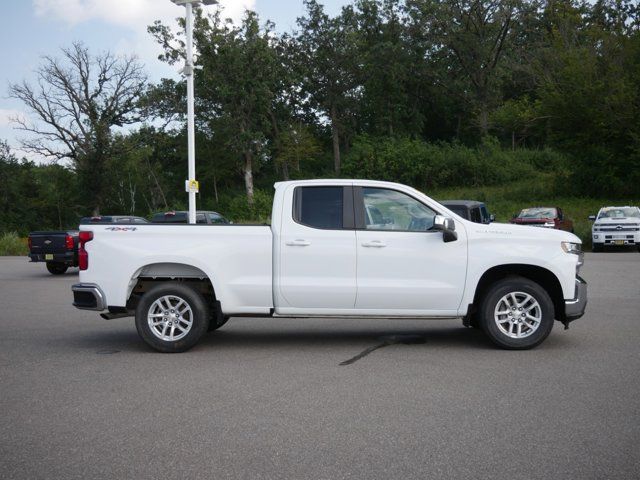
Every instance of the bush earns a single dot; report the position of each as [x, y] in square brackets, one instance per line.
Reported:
[236, 208]
[12, 244]
[445, 165]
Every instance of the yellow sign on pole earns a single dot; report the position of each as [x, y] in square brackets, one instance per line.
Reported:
[192, 186]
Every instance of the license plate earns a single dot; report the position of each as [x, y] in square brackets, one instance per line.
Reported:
[48, 256]
[618, 242]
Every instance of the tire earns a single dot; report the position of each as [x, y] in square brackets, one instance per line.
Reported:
[177, 329]
[502, 306]
[56, 268]
[596, 247]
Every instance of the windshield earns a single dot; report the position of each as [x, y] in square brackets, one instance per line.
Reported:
[619, 212]
[537, 213]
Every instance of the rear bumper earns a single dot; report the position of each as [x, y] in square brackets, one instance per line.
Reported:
[574, 309]
[88, 296]
[68, 258]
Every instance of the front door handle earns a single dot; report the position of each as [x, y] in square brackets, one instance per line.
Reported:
[298, 243]
[374, 244]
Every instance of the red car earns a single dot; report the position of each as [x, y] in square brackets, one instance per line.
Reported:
[547, 217]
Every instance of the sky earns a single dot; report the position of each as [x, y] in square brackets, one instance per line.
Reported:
[30, 29]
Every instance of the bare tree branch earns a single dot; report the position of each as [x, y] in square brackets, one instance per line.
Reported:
[76, 101]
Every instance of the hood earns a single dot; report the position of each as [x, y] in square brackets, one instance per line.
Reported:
[510, 230]
[532, 220]
[617, 221]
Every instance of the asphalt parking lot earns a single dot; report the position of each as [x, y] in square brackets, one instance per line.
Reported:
[84, 398]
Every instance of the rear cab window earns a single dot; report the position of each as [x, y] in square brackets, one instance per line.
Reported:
[326, 208]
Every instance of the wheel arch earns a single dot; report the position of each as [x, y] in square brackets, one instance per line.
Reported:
[542, 276]
[152, 274]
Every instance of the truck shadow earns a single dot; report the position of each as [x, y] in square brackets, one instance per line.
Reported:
[227, 338]
[354, 343]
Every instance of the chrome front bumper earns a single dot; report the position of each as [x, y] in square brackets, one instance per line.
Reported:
[574, 309]
[88, 296]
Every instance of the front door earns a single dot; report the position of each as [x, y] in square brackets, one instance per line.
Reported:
[404, 267]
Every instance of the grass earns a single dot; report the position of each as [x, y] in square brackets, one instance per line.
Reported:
[12, 244]
[504, 202]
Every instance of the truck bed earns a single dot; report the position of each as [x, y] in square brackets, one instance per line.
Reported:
[236, 258]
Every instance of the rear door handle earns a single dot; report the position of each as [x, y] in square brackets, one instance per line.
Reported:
[374, 244]
[298, 243]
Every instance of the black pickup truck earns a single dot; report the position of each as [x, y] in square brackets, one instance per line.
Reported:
[469, 209]
[59, 249]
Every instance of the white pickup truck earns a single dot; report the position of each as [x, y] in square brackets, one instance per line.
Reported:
[335, 248]
[616, 227]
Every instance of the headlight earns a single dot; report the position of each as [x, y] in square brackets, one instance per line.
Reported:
[549, 224]
[570, 247]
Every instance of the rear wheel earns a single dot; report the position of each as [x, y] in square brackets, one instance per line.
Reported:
[517, 313]
[56, 268]
[171, 317]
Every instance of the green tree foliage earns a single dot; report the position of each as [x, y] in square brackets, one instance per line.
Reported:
[35, 197]
[400, 90]
[236, 87]
[326, 54]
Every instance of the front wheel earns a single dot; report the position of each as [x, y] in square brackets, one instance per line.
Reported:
[596, 247]
[516, 313]
[56, 268]
[171, 317]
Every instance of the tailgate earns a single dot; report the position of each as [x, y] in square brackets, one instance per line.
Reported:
[48, 242]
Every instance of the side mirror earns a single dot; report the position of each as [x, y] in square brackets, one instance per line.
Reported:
[592, 218]
[447, 226]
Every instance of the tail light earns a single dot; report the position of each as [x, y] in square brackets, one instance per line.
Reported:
[68, 242]
[83, 255]
[29, 242]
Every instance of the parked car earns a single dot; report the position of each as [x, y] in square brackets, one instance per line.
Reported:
[59, 249]
[471, 210]
[323, 257]
[547, 217]
[615, 227]
[182, 216]
[112, 219]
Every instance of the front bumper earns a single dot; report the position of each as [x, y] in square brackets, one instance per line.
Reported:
[615, 239]
[574, 309]
[88, 296]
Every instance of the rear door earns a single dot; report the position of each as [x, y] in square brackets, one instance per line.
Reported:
[317, 244]
[405, 267]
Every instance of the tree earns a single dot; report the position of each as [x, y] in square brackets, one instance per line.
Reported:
[236, 86]
[387, 68]
[296, 145]
[326, 56]
[76, 101]
[468, 39]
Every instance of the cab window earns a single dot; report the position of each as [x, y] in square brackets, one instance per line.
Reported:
[319, 207]
[386, 209]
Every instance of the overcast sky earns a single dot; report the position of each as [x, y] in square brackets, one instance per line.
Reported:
[30, 29]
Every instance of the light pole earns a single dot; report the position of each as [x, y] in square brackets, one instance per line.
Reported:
[191, 184]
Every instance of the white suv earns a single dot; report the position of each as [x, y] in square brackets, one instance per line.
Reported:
[615, 227]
